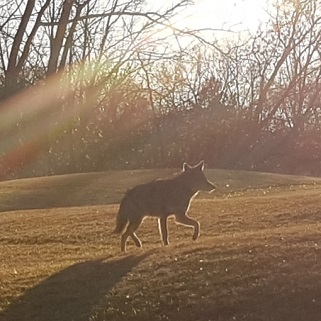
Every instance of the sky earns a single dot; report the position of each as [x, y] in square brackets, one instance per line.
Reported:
[236, 15]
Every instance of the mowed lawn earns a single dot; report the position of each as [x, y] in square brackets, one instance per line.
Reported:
[258, 256]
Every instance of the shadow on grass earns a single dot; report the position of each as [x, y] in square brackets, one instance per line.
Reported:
[260, 287]
[72, 293]
[272, 302]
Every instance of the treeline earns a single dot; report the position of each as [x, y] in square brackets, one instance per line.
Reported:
[92, 86]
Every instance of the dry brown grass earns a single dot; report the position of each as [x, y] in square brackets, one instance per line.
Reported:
[258, 257]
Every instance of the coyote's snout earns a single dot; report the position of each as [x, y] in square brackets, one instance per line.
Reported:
[162, 198]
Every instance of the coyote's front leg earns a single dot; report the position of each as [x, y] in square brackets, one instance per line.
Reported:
[163, 229]
[186, 220]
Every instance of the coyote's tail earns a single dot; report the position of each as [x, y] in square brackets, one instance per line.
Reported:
[121, 220]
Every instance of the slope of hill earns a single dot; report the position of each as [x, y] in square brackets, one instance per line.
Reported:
[258, 257]
[108, 187]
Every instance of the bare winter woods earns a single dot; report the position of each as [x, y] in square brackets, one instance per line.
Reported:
[90, 85]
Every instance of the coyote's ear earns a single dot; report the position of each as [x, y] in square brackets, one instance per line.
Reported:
[200, 165]
[186, 167]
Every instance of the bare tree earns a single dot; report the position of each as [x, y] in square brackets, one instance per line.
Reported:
[85, 53]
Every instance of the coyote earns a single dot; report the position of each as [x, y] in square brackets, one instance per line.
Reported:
[161, 198]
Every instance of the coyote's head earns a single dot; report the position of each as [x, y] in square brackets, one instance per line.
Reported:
[196, 178]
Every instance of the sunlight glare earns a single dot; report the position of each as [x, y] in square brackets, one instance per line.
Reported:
[39, 106]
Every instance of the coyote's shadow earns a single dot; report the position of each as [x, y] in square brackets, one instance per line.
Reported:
[71, 293]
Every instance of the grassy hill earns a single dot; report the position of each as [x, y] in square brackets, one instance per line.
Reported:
[258, 257]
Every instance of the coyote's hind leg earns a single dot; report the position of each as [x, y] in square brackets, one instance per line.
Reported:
[136, 240]
[130, 231]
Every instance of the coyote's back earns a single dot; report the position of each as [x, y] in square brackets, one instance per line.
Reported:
[161, 198]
